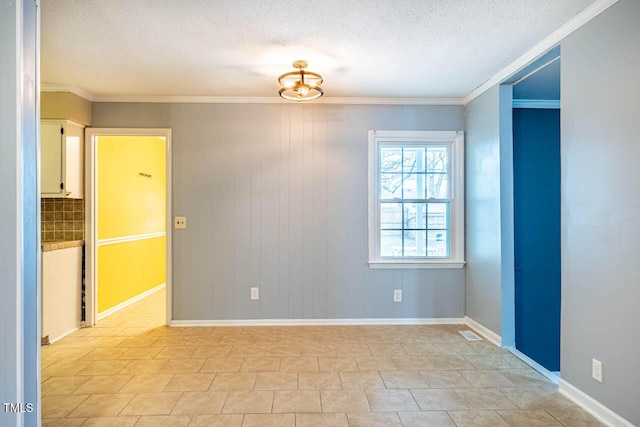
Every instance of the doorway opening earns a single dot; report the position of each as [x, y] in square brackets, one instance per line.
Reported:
[128, 238]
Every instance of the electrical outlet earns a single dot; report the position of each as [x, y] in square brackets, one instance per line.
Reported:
[180, 222]
[596, 370]
[255, 294]
[397, 295]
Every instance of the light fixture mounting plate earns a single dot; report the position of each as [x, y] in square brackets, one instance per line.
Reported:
[300, 64]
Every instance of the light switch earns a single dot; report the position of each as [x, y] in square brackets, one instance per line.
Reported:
[180, 222]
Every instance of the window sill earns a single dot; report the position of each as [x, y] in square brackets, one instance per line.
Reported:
[416, 264]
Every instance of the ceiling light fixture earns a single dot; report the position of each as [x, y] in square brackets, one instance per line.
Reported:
[300, 85]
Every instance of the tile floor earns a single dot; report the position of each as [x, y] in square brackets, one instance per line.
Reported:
[132, 370]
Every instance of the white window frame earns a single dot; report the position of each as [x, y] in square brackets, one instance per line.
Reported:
[455, 140]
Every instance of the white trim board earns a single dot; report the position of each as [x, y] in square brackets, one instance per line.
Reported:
[551, 376]
[133, 238]
[130, 301]
[319, 322]
[548, 104]
[485, 332]
[592, 406]
[46, 87]
[541, 47]
[272, 100]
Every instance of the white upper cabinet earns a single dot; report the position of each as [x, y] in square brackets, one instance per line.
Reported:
[62, 159]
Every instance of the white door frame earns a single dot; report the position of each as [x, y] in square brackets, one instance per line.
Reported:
[91, 213]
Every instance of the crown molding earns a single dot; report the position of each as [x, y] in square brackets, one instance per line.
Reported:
[46, 87]
[548, 104]
[540, 48]
[274, 100]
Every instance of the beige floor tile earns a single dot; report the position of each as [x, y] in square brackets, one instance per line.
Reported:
[152, 404]
[71, 341]
[484, 398]
[63, 422]
[297, 364]
[137, 341]
[140, 353]
[205, 340]
[361, 380]
[217, 420]
[181, 366]
[387, 350]
[536, 398]
[421, 349]
[200, 403]
[438, 400]
[146, 383]
[164, 421]
[102, 405]
[296, 401]
[59, 406]
[104, 367]
[196, 331]
[248, 402]
[260, 364]
[445, 379]
[247, 351]
[108, 353]
[143, 366]
[486, 378]
[103, 384]
[62, 385]
[492, 361]
[376, 363]
[172, 342]
[276, 381]
[525, 377]
[426, 418]
[413, 363]
[318, 380]
[337, 364]
[391, 400]
[222, 364]
[65, 368]
[108, 342]
[283, 350]
[67, 354]
[241, 339]
[210, 351]
[450, 363]
[269, 420]
[234, 381]
[322, 420]
[528, 418]
[317, 350]
[344, 401]
[190, 382]
[403, 379]
[477, 419]
[176, 352]
[574, 417]
[111, 422]
[360, 350]
[374, 419]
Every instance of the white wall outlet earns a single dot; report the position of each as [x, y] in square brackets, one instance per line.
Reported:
[180, 222]
[255, 294]
[397, 295]
[596, 370]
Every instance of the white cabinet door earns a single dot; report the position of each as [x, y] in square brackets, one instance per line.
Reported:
[51, 159]
[73, 160]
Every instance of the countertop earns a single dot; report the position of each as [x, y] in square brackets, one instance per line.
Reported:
[55, 245]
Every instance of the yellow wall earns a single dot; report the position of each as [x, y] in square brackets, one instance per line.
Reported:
[129, 205]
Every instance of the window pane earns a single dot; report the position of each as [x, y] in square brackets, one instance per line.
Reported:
[413, 186]
[413, 159]
[415, 243]
[391, 216]
[438, 215]
[438, 243]
[437, 159]
[391, 243]
[437, 186]
[415, 215]
[390, 159]
[390, 186]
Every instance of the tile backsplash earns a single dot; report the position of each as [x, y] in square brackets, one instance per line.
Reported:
[62, 219]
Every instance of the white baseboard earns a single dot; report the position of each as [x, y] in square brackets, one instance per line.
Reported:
[592, 406]
[486, 333]
[130, 301]
[319, 322]
[59, 337]
[554, 377]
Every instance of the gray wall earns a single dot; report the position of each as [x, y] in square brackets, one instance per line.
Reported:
[601, 207]
[483, 210]
[276, 196]
[19, 233]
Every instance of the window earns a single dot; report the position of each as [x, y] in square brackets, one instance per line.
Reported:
[416, 199]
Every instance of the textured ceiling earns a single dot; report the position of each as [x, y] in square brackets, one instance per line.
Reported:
[363, 48]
